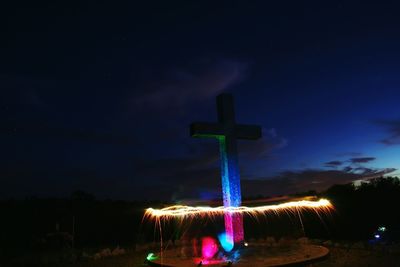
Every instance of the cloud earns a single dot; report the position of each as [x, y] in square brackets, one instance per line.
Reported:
[194, 177]
[333, 163]
[362, 159]
[182, 86]
[353, 163]
[349, 154]
[393, 129]
[347, 169]
[290, 182]
[260, 149]
[197, 174]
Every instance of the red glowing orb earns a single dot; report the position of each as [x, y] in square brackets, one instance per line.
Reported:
[209, 247]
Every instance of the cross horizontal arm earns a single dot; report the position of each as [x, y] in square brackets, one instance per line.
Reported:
[206, 129]
[249, 132]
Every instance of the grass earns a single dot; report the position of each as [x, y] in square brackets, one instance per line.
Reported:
[339, 257]
[134, 259]
[68, 258]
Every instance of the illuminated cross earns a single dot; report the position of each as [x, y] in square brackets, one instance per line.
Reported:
[227, 131]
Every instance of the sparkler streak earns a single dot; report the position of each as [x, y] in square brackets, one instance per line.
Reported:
[188, 211]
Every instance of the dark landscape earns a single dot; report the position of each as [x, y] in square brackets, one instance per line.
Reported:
[39, 232]
[199, 133]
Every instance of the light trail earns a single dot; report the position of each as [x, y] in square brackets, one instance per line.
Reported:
[188, 211]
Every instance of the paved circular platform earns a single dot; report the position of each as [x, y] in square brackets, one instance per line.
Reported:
[298, 255]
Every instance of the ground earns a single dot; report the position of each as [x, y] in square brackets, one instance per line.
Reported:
[339, 257]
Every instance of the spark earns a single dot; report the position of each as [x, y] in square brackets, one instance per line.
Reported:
[188, 211]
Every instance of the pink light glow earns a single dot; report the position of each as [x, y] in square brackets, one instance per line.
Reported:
[229, 238]
[209, 247]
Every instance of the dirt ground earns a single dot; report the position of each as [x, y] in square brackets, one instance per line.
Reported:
[342, 257]
[339, 257]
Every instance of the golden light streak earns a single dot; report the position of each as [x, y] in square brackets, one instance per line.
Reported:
[187, 211]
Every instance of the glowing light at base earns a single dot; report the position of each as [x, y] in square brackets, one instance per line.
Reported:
[209, 247]
[226, 242]
[151, 257]
[188, 211]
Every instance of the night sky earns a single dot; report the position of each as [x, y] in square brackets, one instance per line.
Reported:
[99, 97]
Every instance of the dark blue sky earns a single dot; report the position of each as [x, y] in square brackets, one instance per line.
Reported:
[99, 97]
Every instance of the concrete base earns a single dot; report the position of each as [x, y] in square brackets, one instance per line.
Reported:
[297, 255]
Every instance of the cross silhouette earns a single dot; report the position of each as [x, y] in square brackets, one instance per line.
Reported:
[227, 131]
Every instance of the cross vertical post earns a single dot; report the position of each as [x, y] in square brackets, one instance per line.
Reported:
[227, 131]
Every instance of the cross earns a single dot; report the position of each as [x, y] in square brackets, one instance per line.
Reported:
[227, 131]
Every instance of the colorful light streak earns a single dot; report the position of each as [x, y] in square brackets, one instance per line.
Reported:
[187, 211]
[231, 195]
